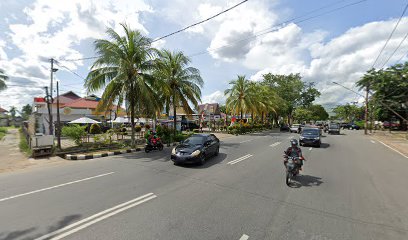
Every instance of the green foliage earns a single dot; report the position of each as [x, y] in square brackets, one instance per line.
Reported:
[390, 87]
[26, 111]
[107, 137]
[3, 79]
[13, 111]
[3, 132]
[95, 129]
[23, 144]
[74, 132]
[348, 113]
[123, 69]
[138, 128]
[181, 83]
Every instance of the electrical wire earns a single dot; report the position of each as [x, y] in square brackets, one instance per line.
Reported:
[65, 67]
[390, 36]
[282, 23]
[198, 23]
[277, 28]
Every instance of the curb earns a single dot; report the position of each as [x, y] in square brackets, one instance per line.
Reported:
[98, 155]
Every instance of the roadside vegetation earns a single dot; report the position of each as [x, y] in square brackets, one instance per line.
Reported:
[3, 132]
[23, 145]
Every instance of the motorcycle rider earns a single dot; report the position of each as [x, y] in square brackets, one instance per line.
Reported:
[294, 151]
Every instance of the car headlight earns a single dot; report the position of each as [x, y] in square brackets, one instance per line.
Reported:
[316, 138]
[195, 153]
[301, 137]
[173, 151]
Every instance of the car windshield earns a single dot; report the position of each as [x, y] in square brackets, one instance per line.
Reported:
[310, 132]
[334, 126]
[194, 140]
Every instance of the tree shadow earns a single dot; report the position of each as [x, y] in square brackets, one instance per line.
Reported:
[306, 181]
[28, 233]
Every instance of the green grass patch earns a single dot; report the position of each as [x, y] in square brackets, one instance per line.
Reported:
[3, 131]
[23, 145]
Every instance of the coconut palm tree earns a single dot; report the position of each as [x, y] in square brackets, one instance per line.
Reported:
[124, 68]
[3, 79]
[241, 96]
[181, 84]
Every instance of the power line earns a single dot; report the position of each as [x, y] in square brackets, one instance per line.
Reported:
[285, 22]
[278, 27]
[389, 37]
[65, 67]
[396, 49]
[198, 23]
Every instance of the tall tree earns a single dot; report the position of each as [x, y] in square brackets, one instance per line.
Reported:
[13, 111]
[388, 87]
[3, 79]
[124, 68]
[181, 84]
[240, 97]
[26, 111]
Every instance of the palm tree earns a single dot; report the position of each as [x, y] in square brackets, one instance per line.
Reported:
[124, 68]
[240, 97]
[3, 79]
[181, 84]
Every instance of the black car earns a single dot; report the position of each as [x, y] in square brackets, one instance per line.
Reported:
[310, 136]
[196, 149]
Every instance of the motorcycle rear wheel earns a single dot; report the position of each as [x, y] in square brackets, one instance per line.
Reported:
[160, 147]
[288, 178]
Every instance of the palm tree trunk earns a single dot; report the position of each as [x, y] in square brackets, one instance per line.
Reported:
[262, 118]
[132, 120]
[175, 116]
[241, 115]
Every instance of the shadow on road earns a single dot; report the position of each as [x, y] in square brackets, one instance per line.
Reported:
[27, 233]
[306, 181]
[324, 145]
[208, 163]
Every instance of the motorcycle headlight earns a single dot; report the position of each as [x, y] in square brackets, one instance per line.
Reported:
[173, 151]
[195, 153]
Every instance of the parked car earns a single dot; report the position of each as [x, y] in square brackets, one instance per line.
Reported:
[294, 128]
[196, 149]
[354, 127]
[310, 136]
[334, 128]
[284, 128]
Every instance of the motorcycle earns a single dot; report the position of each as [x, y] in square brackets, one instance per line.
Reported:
[155, 144]
[292, 165]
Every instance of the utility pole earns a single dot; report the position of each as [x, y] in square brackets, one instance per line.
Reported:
[366, 109]
[51, 89]
[48, 100]
[58, 120]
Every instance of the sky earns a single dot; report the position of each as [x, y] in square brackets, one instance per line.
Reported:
[325, 41]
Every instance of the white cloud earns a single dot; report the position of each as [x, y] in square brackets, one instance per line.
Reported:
[57, 29]
[215, 97]
[343, 59]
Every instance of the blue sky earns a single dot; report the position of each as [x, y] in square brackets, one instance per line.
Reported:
[338, 46]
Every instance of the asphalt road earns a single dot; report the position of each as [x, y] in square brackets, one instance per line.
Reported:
[351, 188]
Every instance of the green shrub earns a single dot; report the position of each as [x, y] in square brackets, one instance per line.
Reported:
[3, 130]
[95, 129]
[138, 128]
[74, 132]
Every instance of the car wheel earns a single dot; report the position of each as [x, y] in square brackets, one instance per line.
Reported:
[202, 160]
[217, 151]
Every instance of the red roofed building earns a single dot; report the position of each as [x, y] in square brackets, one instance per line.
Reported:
[72, 107]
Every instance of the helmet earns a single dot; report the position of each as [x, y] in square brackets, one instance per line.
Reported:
[293, 142]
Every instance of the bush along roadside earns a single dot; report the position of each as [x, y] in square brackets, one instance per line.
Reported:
[3, 132]
[243, 128]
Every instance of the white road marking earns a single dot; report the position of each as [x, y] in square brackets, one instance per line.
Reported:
[372, 141]
[310, 149]
[275, 144]
[247, 141]
[244, 237]
[239, 159]
[394, 150]
[97, 217]
[56, 186]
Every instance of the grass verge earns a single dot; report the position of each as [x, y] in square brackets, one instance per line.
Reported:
[3, 132]
[23, 145]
